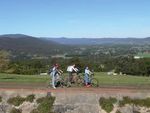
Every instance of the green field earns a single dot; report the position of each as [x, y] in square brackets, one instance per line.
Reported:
[144, 55]
[14, 78]
[103, 78]
[122, 80]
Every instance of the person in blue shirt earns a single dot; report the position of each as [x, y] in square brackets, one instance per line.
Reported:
[54, 73]
[87, 73]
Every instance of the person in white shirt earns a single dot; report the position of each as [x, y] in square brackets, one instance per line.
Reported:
[71, 69]
[86, 76]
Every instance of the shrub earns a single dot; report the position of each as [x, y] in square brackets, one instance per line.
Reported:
[142, 102]
[30, 98]
[14, 110]
[0, 99]
[34, 111]
[16, 101]
[136, 112]
[45, 104]
[137, 102]
[118, 111]
[107, 104]
[126, 100]
[146, 102]
[40, 100]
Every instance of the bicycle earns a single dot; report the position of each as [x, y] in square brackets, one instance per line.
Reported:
[93, 81]
[60, 81]
[77, 80]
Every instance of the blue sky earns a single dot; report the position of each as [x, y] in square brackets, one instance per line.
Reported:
[76, 18]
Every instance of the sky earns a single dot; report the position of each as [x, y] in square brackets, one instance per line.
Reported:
[76, 18]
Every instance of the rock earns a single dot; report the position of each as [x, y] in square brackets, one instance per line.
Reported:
[27, 107]
[126, 109]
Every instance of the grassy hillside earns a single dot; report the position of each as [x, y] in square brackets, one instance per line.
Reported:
[22, 44]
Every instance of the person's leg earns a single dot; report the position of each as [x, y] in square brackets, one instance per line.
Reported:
[70, 77]
[51, 75]
[53, 80]
[86, 79]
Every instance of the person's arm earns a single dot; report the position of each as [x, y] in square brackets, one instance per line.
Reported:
[75, 69]
[57, 70]
[60, 71]
[90, 72]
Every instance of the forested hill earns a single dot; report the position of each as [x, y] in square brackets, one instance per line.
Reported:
[98, 41]
[18, 43]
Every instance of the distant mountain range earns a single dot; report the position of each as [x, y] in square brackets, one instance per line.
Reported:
[19, 43]
[99, 41]
[73, 41]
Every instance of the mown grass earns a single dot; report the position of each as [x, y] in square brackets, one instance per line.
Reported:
[121, 80]
[103, 78]
[23, 78]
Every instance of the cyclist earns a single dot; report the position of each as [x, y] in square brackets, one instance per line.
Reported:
[55, 71]
[71, 69]
[87, 73]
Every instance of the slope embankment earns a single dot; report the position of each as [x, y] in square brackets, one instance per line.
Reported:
[75, 100]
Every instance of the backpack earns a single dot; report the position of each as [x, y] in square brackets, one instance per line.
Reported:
[50, 70]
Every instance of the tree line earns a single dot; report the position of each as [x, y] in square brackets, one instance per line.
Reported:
[121, 64]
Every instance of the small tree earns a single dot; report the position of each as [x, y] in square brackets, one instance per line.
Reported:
[4, 60]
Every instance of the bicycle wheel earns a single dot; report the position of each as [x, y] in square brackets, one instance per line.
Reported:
[66, 82]
[62, 84]
[80, 82]
[94, 82]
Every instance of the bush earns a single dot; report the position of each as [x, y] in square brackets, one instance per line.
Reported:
[34, 111]
[118, 111]
[40, 100]
[137, 102]
[45, 104]
[126, 100]
[136, 112]
[16, 101]
[107, 104]
[0, 99]
[14, 110]
[146, 102]
[30, 98]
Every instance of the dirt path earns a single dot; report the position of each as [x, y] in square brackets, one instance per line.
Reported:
[73, 90]
[43, 88]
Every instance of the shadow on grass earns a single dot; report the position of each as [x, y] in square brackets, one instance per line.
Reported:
[8, 78]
